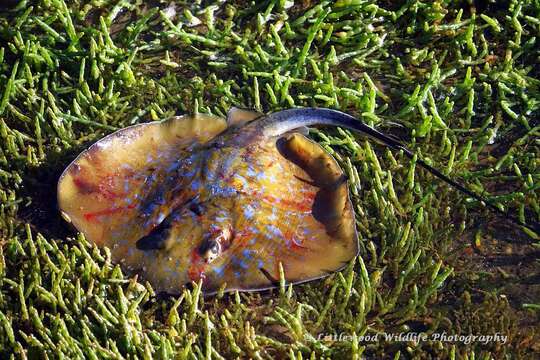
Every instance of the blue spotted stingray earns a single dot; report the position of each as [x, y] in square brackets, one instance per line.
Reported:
[228, 202]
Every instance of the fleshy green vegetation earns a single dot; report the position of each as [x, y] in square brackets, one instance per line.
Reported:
[458, 83]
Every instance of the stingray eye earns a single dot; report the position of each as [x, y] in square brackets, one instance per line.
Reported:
[217, 241]
[212, 251]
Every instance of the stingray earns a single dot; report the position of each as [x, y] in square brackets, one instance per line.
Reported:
[226, 202]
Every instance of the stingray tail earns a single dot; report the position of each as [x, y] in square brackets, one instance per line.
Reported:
[280, 122]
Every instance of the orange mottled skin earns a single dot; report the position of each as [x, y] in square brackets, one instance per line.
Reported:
[228, 210]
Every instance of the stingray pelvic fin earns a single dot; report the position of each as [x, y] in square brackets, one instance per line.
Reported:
[331, 206]
[284, 121]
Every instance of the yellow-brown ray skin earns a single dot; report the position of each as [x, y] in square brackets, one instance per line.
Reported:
[118, 189]
[285, 204]
[268, 200]
[273, 213]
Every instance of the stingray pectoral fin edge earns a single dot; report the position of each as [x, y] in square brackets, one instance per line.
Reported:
[104, 190]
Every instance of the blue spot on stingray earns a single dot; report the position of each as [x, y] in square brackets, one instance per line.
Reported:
[189, 173]
[177, 216]
[148, 209]
[221, 219]
[250, 172]
[150, 179]
[237, 274]
[249, 211]
[244, 264]
[228, 162]
[273, 230]
[175, 165]
[246, 253]
[219, 270]
[126, 185]
[260, 263]
[160, 199]
[216, 190]
[195, 185]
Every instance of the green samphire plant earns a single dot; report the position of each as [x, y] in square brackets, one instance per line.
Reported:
[458, 82]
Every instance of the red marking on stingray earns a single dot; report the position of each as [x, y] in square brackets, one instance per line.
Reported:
[84, 186]
[215, 230]
[248, 152]
[91, 216]
[292, 242]
[108, 193]
[242, 237]
[196, 269]
[304, 205]
[295, 245]
[103, 188]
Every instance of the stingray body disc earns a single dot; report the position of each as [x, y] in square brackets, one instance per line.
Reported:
[187, 200]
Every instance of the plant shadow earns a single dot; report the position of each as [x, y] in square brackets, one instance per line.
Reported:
[39, 189]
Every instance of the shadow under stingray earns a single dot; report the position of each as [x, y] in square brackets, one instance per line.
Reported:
[39, 187]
